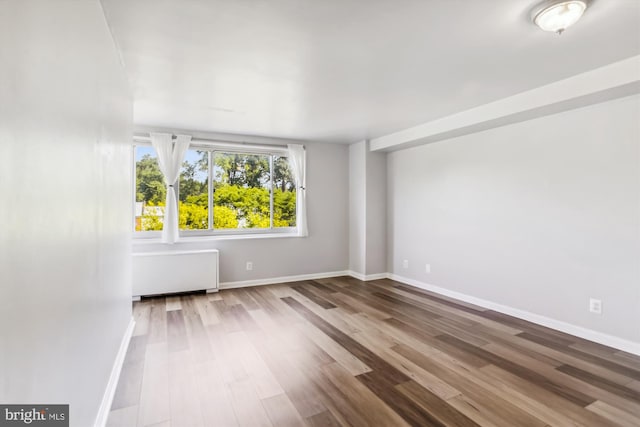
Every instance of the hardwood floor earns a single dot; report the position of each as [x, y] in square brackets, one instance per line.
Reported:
[341, 352]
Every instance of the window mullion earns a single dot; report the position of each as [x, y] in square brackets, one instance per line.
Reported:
[135, 189]
[176, 190]
[210, 188]
[271, 192]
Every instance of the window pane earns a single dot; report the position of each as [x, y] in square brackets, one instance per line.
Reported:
[150, 190]
[241, 198]
[193, 210]
[284, 194]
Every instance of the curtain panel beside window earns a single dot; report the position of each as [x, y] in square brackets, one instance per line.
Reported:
[170, 157]
[297, 162]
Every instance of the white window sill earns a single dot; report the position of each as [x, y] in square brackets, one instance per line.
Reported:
[210, 238]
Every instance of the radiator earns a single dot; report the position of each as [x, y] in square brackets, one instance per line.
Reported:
[174, 271]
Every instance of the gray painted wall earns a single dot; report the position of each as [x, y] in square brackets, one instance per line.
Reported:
[326, 248]
[357, 207]
[367, 210]
[376, 212]
[539, 216]
[65, 126]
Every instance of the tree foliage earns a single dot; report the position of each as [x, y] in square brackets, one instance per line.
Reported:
[241, 170]
[282, 178]
[189, 185]
[150, 186]
[224, 217]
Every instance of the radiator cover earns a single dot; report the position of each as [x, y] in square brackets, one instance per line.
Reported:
[169, 272]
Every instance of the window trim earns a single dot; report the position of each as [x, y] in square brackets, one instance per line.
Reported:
[212, 148]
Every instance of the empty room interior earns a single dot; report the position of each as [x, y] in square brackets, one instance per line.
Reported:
[320, 213]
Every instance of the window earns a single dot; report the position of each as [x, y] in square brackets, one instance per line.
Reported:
[219, 192]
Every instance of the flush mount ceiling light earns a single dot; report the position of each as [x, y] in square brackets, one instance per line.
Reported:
[558, 15]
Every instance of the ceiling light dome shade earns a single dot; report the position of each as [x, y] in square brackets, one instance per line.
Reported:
[559, 15]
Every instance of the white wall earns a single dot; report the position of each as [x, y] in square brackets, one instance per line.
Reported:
[326, 248]
[538, 216]
[65, 124]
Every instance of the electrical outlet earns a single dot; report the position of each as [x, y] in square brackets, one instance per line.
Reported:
[427, 268]
[595, 306]
[249, 266]
[405, 263]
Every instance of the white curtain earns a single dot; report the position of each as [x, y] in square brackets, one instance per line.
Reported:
[297, 162]
[170, 157]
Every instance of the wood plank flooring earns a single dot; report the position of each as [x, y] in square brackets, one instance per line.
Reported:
[341, 352]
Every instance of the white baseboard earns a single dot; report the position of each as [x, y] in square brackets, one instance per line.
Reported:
[578, 331]
[110, 391]
[284, 279]
[367, 277]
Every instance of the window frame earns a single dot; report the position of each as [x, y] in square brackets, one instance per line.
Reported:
[211, 149]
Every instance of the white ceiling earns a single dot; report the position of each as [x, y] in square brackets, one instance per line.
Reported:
[345, 70]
